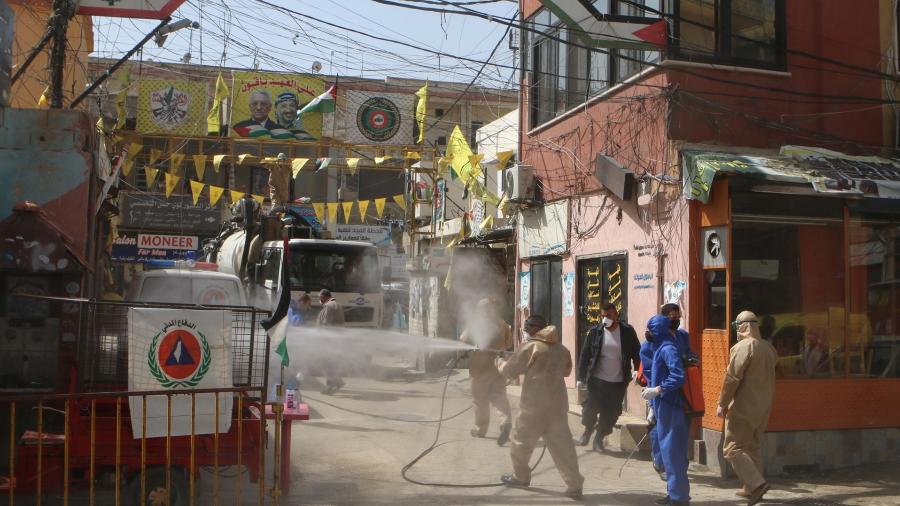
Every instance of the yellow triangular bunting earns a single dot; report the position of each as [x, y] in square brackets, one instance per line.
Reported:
[154, 156]
[134, 149]
[175, 163]
[363, 207]
[348, 206]
[319, 208]
[196, 188]
[502, 158]
[413, 155]
[236, 195]
[296, 165]
[379, 206]
[171, 183]
[332, 212]
[126, 167]
[259, 199]
[474, 160]
[243, 157]
[352, 163]
[217, 161]
[381, 159]
[401, 201]
[151, 177]
[200, 166]
[215, 193]
[443, 163]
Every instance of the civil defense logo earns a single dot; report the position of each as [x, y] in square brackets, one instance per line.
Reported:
[179, 357]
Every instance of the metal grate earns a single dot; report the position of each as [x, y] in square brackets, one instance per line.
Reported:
[104, 344]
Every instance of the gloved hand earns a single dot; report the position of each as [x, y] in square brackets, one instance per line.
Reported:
[651, 393]
[499, 362]
[720, 412]
[633, 375]
[651, 416]
[580, 385]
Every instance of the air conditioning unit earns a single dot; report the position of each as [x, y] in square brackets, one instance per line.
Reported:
[519, 183]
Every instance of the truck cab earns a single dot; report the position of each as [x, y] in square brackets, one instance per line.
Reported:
[350, 269]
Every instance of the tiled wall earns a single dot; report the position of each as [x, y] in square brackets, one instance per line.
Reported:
[821, 450]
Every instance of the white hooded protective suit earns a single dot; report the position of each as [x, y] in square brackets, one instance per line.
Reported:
[747, 396]
[488, 386]
[544, 406]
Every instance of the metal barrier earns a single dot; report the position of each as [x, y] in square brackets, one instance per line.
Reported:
[80, 446]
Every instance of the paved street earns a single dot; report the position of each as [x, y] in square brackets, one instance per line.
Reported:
[341, 457]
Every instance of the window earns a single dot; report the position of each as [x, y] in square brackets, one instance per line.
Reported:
[546, 289]
[473, 132]
[737, 32]
[564, 73]
[823, 282]
[338, 268]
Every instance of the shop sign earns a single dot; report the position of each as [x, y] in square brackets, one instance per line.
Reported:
[146, 211]
[376, 234]
[134, 247]
[544, 231]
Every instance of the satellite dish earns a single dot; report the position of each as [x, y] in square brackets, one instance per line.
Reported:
[316, 67]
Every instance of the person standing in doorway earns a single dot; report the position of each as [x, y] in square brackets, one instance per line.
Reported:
[489, 334]
[544, 406]
[331, 315]
[746, 402]
[608, 354]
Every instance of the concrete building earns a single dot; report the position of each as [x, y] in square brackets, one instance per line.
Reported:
[674, 175]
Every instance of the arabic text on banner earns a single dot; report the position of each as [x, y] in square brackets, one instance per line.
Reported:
[265, 105]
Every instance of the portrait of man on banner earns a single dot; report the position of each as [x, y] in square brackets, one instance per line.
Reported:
[266, 105]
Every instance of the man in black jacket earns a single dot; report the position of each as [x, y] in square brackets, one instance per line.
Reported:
[608, 354]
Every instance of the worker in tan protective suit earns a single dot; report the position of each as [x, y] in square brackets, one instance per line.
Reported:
[745, 403]
[544, 406]
[491, 335]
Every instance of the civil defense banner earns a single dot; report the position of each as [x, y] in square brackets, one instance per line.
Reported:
[172, 350]
[171, 107]
[378, 118]
[265, 104]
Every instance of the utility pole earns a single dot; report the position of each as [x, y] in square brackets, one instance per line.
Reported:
[63, 11]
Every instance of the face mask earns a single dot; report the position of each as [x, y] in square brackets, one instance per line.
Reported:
[674, 324]
[607, 323]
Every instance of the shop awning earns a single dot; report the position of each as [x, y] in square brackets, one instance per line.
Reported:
[32, 242]
[829, 172]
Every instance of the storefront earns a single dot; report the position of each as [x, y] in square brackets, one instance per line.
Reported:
[811, 244]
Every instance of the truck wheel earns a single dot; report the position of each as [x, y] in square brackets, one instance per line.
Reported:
[155, 488]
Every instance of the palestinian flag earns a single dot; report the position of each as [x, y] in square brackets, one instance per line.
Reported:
[254, 130]
[281, 133]
[322, 103]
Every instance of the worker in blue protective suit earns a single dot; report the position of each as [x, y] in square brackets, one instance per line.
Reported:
[672, 422]
[647, 349]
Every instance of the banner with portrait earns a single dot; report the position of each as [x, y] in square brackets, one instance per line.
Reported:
[265, 104]
[171, 107]
[378, 118]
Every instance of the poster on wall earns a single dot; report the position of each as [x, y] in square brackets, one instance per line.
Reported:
[568, 287]
[171, 107]
[265, 105]
[379, 118]
[524, 290]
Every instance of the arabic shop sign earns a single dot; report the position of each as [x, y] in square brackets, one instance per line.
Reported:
[148, 211]
[135, 247]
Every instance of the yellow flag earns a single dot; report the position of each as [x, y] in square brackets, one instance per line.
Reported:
[363, 207]
[488, 222]
[259, 199]
[134, 149]
[474, 160]
[175, 163]
[319, 208]
[503, 206]
[332, 212]
[458, 151]
[413, 155]
[171, 183]
[379, 206]
[44, 100]
[348, 206]
[236, 195]
[200, 166]
[381, 159]
[154, 156]
[215, 193]
[401, 201]
[443, 163]
[296, 165]
[352, 163]
[214, 120]
[124, 79]
[217, 161]
[422, 111]
[127, 166]
[151, 177]
[502, 158]
[196, 188]
[243, 157]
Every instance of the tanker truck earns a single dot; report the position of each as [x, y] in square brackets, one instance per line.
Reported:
[251, 246]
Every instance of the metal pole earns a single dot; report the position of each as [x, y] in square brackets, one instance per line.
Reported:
[34, 52]
[63, 10]
[115, 66]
